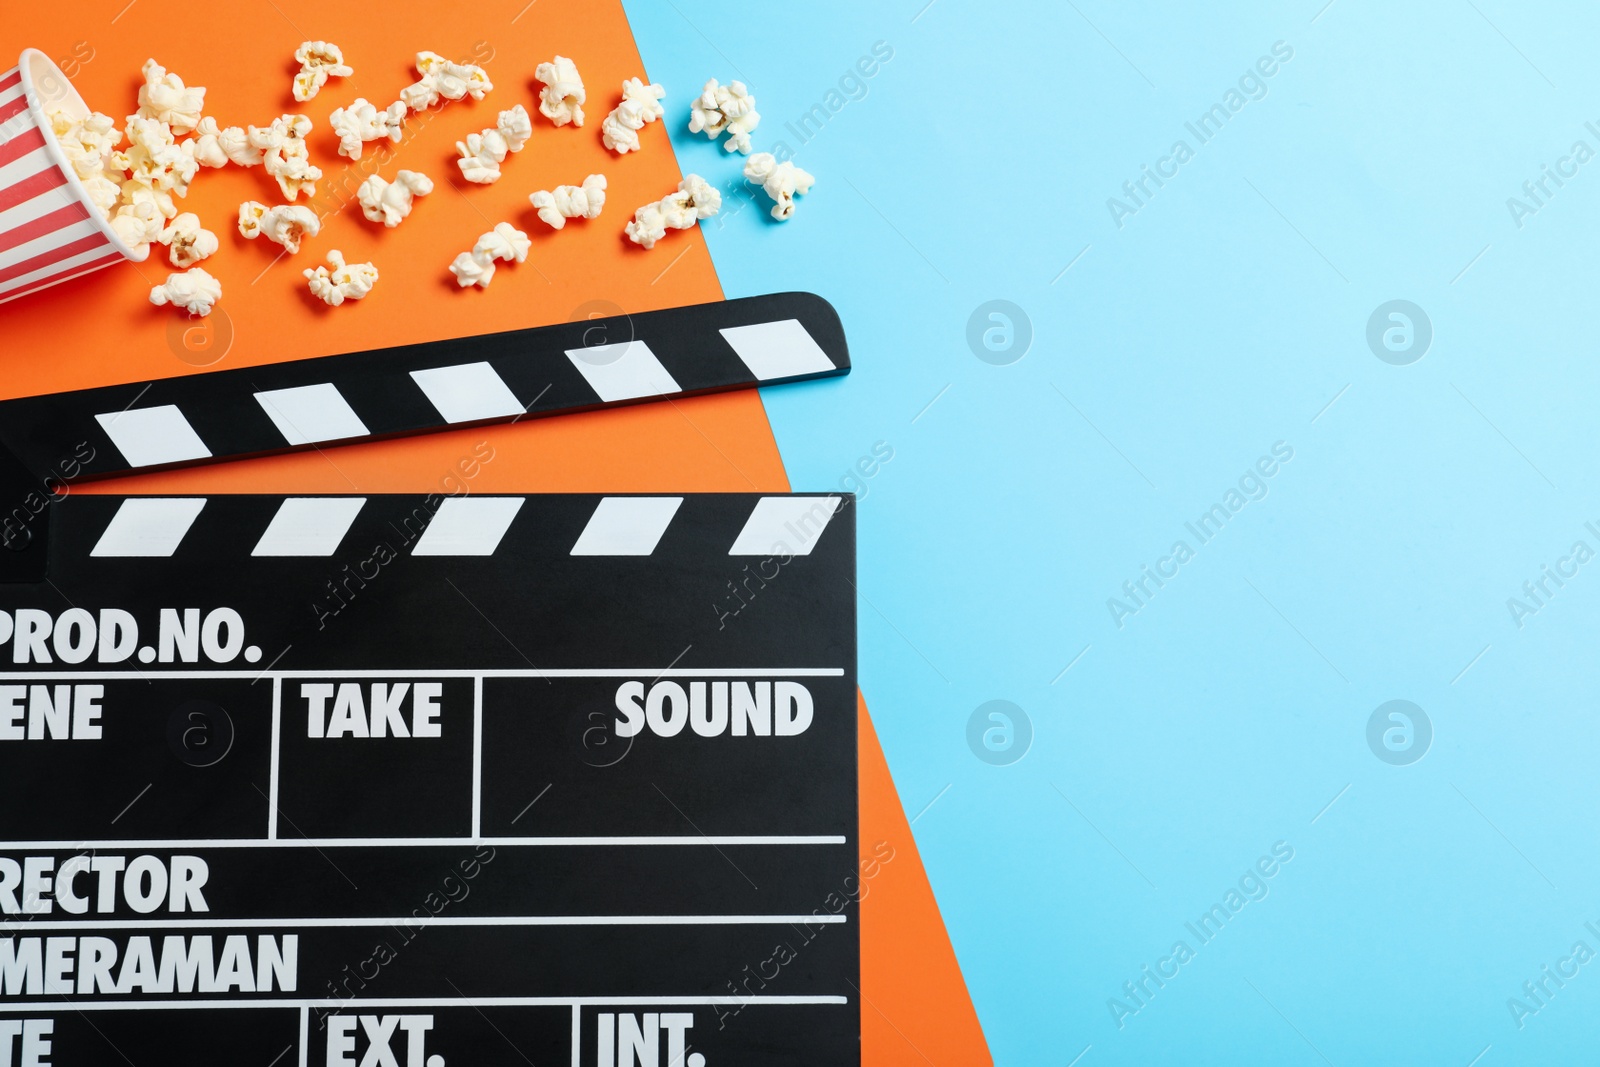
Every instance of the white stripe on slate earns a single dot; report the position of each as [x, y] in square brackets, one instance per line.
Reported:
[627, 526]
[149, 437]
[778, 349]
[309, 526]
[311, 414]
[784, 525]
[148, 526]
[468, 526]
[467, 393]
[623, 371]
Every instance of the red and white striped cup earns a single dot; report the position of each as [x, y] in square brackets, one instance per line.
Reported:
[50, 232]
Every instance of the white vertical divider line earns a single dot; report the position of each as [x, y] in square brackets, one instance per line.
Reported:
[577, 1034]
[305, 1036]
[477, 758]
[272, 782]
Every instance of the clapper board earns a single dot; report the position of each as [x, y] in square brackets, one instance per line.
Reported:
[426, 781]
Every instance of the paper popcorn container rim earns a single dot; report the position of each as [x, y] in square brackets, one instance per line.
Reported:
[42, 80]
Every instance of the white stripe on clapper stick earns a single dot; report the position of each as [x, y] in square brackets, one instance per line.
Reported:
[309, 526]
[627, 370]
[788, 524]
[468, 526]
[627, 526]
[477, 758]
[277, 735]
[783, 349]
[149, 437]
[148, 526]
[467, 393]
[312, 414]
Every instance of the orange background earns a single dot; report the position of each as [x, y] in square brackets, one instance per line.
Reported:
[101, 329]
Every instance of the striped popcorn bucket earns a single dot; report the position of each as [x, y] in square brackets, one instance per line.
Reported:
[50, 232]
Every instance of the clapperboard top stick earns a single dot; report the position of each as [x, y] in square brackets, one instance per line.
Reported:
[435, 385]
[58, 438]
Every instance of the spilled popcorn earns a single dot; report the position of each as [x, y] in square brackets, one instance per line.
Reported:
[187, 241]
[440, 79]
[287, 225]
[782, 182]
[155, 168]
[482, 153]
[135, 185]
[194, 291]
[135, 176]
[641, 104]
[215, 146]
[728, 109]
[284, 154]
[154, 159]
[556, 206]
[477, 267]
[361, 122]
[164, 98]
[390, 202]
[561, 99]
[347, 281]
[318, 61]
[694, 200]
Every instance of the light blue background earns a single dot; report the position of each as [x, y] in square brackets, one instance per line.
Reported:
[1229, 313]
